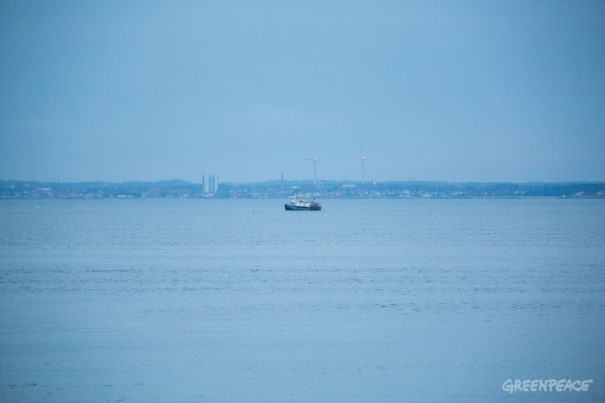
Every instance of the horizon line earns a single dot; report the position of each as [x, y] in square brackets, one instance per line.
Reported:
[310, 180]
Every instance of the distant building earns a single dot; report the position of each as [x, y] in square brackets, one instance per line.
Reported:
[210, 183]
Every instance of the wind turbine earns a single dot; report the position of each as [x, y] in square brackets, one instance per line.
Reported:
[363, 165]
[314, 159]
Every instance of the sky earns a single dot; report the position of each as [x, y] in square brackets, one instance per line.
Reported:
[247, 90]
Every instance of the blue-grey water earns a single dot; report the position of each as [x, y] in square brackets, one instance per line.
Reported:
[239, 300]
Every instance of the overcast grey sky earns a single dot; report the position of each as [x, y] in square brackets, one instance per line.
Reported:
[151, 90]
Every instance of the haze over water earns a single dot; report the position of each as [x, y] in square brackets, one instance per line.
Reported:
[367, 300]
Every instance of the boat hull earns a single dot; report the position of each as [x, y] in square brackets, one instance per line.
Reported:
[290, 207]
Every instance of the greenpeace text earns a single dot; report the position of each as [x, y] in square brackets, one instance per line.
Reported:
[546, 385]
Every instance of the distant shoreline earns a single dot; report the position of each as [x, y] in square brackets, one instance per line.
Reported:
[15, 189]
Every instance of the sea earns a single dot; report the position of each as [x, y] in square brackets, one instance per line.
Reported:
[411, 300]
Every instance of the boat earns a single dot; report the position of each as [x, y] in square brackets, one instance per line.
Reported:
[302, 205]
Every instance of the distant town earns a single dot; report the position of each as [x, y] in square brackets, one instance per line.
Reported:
[210, 188]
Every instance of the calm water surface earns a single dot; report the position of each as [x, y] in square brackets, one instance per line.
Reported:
[235, 300]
